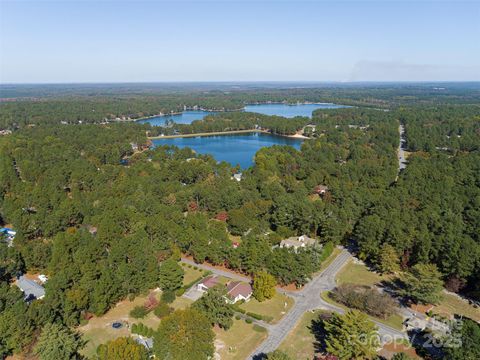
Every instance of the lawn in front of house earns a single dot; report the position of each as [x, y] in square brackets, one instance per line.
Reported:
[274, 308]
[238, 342]
[353, 273]
[190, 273]
[300, 342]
[395, 321]
[452, 304]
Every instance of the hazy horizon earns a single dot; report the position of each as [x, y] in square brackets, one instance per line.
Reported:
[102, 42]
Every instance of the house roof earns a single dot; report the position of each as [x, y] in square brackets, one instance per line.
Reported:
[210, 281]
[235, 288]
[30, 288]
[297, 241]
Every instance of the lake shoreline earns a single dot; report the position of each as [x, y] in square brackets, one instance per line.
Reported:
[221, 133]
[233, 110]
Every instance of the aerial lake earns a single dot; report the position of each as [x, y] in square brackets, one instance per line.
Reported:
[290, 111]
[235, 149]
[186, 117]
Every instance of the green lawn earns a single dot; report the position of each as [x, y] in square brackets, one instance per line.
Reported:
[358, 274]
[190, 273]
[99, 329]
[300, 342]
[275, 307]
[238, 342]
[395, 320]
[451, 304]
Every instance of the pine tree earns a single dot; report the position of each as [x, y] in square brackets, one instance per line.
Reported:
[58, 342]
[422, 284]
[171, 275]
[389, 261]
[351, 336]
[215, 308]
[263, 286]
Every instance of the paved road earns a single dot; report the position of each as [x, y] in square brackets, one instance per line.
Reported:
[309, 299]
[305, 300]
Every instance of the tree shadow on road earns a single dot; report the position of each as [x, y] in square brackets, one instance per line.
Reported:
[318, 330]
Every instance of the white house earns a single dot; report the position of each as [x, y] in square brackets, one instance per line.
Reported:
[297, 242]
[237, 291]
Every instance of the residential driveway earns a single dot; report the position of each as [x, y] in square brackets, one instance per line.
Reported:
[193, 293]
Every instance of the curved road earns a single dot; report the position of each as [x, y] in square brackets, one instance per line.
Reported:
[309, 299]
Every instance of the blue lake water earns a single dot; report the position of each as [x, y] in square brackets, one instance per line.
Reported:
[186, 117]
[235, 149]
[290, 111]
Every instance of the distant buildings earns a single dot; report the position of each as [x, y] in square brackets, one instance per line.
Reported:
[297, 242]
[31, 289]
[5, 132]
[237, 177]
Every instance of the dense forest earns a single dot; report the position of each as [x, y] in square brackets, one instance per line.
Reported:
[26, 105]
[99, 217]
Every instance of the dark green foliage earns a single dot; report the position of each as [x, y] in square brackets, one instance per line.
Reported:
[464, 342]
[162, 310]
[168, 296]
[171, 275]
[422, 284]
[215, 308]
[138, 312]
[278, 355]
[58, 342]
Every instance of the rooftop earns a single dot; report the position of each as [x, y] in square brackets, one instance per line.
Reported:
[235, 288]
[30, 288]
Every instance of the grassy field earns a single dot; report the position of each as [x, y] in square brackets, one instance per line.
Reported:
[190, 273]
[99, 329]
[300, 342]
[395, 321]
[275, 307]
[238, 342]
[451, 304]
[358, 274]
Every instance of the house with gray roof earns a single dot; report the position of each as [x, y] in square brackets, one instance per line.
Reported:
[31, 290]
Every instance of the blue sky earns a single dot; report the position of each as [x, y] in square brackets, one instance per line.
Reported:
[130, 41]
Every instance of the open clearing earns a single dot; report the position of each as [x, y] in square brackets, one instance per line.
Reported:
[300, 342]
[359, 274]
[452, 304]
[238, 342]
[273, 308]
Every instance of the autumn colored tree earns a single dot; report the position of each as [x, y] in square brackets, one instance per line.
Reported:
[263, 286]
[122, 348]
[184, 335]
